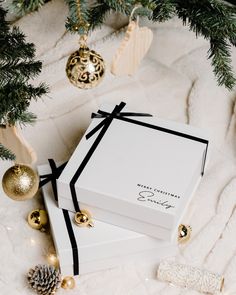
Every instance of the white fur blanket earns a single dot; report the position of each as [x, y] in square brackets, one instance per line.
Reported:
[175, 81]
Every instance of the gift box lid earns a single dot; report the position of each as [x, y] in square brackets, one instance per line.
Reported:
[141, 167]
[88, 245]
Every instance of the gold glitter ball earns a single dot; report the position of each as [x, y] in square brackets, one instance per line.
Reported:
[85, 68]
[20, 182]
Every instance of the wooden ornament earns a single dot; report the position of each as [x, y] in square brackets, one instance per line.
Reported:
[133, 48]
[12, 139]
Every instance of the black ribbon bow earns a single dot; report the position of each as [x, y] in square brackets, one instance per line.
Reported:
[116, 113]
[52, 177]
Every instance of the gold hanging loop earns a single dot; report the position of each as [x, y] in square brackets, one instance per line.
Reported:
[83, 40]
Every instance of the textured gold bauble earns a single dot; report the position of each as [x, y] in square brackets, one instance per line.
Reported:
[83, 219]
[38, 219]
[184, 233]
[20, 182]
[68, 283]
[85, 68]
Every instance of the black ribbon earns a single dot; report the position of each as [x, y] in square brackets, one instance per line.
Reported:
[52, 177]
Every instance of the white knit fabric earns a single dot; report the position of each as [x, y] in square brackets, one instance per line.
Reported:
[175, 81]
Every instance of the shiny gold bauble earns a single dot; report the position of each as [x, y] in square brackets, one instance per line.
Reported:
[20, 182]
[85, 68]
[83, 218]
[184, 233]
[38, 219]
[68, 283]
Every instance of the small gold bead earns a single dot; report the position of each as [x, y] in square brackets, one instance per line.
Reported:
[38, 219]
[68, 283]
[83, 218]
[184, 233]
[75, 28]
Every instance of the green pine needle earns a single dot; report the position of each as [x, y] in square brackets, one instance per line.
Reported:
[6, 154]
[163, 11]
[22, 7]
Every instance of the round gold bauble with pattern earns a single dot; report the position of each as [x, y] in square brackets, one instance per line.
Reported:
[85, 68]
[20, 182]
[38, 219]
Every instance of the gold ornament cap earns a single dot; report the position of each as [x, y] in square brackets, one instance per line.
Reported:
[184, 233]
[20, 182]
[83, 219]
[68, 283]
[38, 219]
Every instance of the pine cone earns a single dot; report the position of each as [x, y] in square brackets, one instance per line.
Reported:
[44, 279]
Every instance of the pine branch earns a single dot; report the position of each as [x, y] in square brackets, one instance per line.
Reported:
[22, 7]
[216, 22]
[13, 46]
[97, 14]
[6, 154]
[15, 98]
[210, 18]
[19, 72]
[220, 54]
[122, 6]
[163, 11]
[17, 68]
[4, 24]
[78, 20]
[21, 118]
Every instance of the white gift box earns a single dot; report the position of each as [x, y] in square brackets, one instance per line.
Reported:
[136, 172]
[84, 250]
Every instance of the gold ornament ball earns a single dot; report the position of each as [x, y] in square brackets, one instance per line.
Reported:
[20, 182]
[68, 283]
[184, 233]
[38, 219]
[83, 219]
[85, 68]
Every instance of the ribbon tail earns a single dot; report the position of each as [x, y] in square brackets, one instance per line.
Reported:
[130, 114]
[95, 129]
[44, 181]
